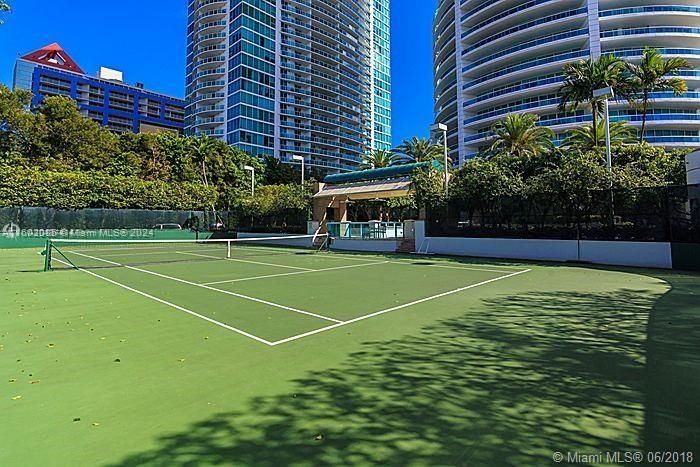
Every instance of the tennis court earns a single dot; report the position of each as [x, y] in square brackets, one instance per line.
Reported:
[194, 353]
[266, 289]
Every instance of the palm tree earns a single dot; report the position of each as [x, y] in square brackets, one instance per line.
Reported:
[518, 135]
[582, 78]
[419, 150]
[585, 138]
[652, 75]
[202, 149]
[378, 159]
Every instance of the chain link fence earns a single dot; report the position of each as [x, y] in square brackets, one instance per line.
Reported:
[31, 226]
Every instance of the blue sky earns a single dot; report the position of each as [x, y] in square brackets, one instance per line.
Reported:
[146, 40]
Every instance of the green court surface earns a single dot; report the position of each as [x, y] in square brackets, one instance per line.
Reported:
[286, 357]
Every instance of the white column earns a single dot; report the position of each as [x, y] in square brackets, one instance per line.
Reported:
[594, 29]
[278, 78]
[462, 150]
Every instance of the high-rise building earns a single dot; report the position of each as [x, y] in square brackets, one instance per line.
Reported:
[308, 78]
[105, 98]
[495, 57]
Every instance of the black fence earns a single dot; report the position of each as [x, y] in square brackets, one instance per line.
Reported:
[659, 214]
[48, 219]
[293, 221]
[40, 218]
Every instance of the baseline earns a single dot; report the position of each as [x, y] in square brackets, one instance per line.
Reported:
[172, 305]
[233, 294]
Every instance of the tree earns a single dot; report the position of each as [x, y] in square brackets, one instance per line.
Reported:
[21, 132]
[584, 77]
[481, 182]
[379, 159]
[279, 173]
[654, 74]
[574, 181]
[518, 135]
[419, 150]
[4, 6]
[650, 165]
[585, 139]
[428, 188]
[202, 149]
[75, 142]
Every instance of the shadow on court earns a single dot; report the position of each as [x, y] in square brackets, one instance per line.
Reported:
[528, 375]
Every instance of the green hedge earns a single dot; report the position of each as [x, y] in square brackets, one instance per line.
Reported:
[77, 190]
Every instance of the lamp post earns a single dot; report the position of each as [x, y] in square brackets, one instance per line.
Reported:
[252, 176]
[606, 94]
[435, 129]
[303, 162]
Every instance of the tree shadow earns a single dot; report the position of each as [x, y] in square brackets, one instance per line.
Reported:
[526, 376]
[673, 367]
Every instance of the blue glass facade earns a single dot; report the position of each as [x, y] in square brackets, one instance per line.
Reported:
[291, 78]
[115, 105]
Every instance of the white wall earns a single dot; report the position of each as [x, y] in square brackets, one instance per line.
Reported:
[379, 246]
[637, 254]
[692, 164]
[545, 250]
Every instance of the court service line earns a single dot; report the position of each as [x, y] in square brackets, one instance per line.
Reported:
[408, 263]
[246, 261]
[396, 308]
[119, 255]
[172, 305]
[294, 273]
[234, 294]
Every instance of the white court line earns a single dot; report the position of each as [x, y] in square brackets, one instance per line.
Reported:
[294, 273]
[172, 305]
[247, 261]
[234, 294]
[409, 262]
[119, 255]
[396, 308]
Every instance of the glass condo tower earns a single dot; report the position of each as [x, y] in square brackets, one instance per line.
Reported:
[495, 57]
[290, 78]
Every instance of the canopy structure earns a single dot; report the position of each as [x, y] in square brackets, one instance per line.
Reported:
[332, 197]
[367, 190]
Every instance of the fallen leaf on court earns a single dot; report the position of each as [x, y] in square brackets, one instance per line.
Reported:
[16, 398]
[36, 381]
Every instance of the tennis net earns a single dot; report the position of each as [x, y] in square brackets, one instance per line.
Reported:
[92, 254]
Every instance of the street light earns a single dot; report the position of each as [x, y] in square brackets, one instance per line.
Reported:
[252, 176]
[303, 161]
[606, 94]
[436, 128]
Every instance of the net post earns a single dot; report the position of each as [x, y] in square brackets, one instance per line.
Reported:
[47, 256]
[228, 249]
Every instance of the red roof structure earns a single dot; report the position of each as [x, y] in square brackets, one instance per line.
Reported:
[53, 55]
